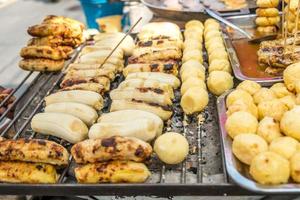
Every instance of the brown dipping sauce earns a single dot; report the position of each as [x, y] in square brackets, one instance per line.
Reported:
[247, 56]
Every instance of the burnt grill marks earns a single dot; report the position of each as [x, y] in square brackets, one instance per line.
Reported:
[109, 142]
[146, 89]
[166, 108]
[139, 152]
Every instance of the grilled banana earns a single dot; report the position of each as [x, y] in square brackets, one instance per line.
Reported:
[94, 87]
[89, 98]
[131, 115]
[91, 73]
[23, 172]
[164, 112]
[46, 52]
[41, 64]
[148, 54]
[144, 129]
[60, 125]
[86, 113]
[81, 66]
[162, 77]
[160, 43]
[99, 150]
[112, 172]
[169, 68]
[150, 95]
[148, 83]
[33, 150]
[101, 83]
[97, 51]
[94, 59]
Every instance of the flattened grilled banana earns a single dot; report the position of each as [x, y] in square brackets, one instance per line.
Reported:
[161, 43]
[101, 51]
[23, 172]
[169, 68]
[54, 41]
[162, 77]
[91, 73]
[42, 30]
[33, 150]
[89, 98]
[86, 113]
[60, 125]
[145, 55]
[43, 52]
[41, 64]
[88, 59]
[94, 87]
[99, 150]
[164, 112]
[149, 95]
[81, 66]
[112, 172]
[148, 83]
[101, 83]
[144, 129]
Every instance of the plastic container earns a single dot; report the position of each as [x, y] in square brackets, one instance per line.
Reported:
[94, 9]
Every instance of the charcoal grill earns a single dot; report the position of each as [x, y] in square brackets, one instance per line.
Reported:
[203, 173]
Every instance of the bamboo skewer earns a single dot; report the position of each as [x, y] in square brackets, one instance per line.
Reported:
[296, 26]
[128, 32]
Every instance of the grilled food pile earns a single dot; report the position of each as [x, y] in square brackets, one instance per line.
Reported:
[68, 114]
[31, 160]
[276, 55]
[264, 124]
[268, 18]
[90, 72]
[52, 43]
[192, 72]
[219, 79]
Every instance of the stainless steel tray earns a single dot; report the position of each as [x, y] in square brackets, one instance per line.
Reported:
[247, 23]
[237, 171]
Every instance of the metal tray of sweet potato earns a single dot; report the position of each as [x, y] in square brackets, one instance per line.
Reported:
[243, 55]
[238, 171]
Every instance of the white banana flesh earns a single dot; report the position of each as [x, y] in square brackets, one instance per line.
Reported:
[162, 111]
[143, 129]
[89, 98]
[131, 115]
[85, 113]
[60, 125]
[159, 76]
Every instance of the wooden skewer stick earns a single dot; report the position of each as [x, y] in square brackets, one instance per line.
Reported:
[128, 32]
[283, 19]
[296, 26]
[287, 26]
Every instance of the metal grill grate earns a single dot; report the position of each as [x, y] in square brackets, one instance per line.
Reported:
[202, 173]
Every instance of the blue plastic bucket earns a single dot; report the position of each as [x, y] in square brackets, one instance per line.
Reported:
[94, 9]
